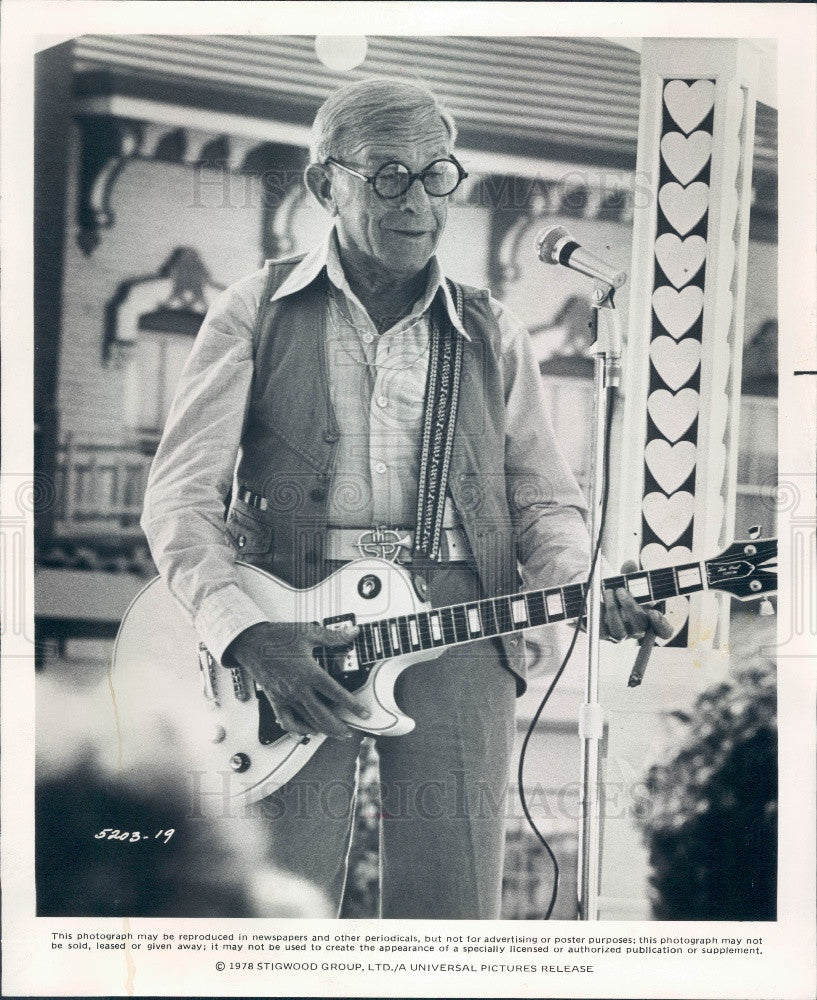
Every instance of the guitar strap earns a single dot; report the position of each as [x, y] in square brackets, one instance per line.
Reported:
[439, 421]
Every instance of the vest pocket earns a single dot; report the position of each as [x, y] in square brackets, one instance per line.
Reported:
[248, 535]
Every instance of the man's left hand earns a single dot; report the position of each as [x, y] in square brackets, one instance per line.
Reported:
[624, 618]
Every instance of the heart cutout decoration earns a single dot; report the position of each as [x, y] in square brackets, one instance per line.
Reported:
[673, 413]
[680, 259]
[684, 207]
[675, 361]
[669, 517]
[670, 464]
[656, 556]
[686, 155]
[688, 103]
[677, 311]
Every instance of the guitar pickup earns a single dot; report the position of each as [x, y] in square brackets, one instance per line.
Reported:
[338, 663]
[239, 685]
[207, 666]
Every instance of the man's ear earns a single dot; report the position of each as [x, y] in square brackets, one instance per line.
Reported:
[319, 182]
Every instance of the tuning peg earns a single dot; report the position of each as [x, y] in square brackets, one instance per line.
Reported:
[766, 608]
[754, 531]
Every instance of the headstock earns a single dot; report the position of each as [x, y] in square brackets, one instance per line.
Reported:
[747, 570]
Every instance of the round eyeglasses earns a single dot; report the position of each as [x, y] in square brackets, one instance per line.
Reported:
[440, 178]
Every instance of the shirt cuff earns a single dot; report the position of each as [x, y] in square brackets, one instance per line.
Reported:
[223, 616]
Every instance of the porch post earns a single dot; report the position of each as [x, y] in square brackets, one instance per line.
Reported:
[674, 496]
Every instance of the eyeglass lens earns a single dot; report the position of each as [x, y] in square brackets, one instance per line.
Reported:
[439, 178]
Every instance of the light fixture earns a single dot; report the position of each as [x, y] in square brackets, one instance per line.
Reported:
[341, 52]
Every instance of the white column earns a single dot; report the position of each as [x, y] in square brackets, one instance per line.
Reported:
[674, 491]
[685, 330]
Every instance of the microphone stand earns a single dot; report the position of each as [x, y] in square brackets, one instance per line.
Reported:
[606, 330]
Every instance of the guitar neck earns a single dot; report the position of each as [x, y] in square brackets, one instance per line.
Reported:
[496, 616]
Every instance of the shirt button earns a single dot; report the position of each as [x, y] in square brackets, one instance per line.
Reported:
[331, 436]
[382, 402]
[368, 338]
[380, 467]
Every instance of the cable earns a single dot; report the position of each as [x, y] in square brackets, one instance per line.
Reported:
[565, 661]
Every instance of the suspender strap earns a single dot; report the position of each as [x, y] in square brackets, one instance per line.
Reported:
[439, 421]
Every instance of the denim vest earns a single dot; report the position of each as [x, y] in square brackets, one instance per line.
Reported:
[290, 434]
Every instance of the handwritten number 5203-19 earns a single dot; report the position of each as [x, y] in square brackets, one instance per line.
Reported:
[132, 837]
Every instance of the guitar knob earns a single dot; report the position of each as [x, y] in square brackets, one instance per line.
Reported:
[239, 762]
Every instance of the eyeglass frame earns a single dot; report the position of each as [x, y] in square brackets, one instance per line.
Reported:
[412, 177]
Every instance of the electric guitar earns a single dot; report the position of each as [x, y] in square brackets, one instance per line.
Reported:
[217, 726]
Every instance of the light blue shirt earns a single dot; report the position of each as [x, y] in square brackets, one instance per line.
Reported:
[377, 384]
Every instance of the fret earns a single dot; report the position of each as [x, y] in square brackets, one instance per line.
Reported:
[394, 632]
[639, 586]
[405, 639]
[519, 611]
[536, 608]
[425, 630]
[460, 623]
[664, 583]
[368, 645]
[436, 628]
[447, 618]
[554, 602]
[378, 642]
[486, 613]
[502, 605]
[688, 578]
[474, 621]
[383, 628]
[414, 632]
[573, 596]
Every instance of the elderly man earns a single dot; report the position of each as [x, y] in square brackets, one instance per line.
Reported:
[314, 370]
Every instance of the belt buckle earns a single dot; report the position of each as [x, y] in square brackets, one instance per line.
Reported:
[383, 543]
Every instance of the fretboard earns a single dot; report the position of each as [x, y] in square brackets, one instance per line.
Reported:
[494, 616]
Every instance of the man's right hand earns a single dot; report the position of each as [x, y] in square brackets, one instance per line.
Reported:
[278, 656]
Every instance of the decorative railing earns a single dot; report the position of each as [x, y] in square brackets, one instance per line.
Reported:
[100, 489]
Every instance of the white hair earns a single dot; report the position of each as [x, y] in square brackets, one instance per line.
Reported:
[373, 108]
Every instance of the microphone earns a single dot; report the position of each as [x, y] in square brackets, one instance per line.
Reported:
[555, 245]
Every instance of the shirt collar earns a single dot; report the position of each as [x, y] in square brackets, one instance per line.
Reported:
[325, 257]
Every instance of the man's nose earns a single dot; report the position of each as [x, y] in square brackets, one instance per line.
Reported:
[415, 196]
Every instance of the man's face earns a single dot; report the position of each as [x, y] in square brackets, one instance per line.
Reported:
[397, 236]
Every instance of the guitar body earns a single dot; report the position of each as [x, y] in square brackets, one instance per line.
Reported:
[208, 719]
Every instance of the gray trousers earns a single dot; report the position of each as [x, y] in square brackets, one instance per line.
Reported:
[444, 786]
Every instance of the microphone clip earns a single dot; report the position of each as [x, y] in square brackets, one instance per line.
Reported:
[606, 332]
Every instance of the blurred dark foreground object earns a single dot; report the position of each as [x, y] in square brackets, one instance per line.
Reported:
[200, 870]
[710, 822]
